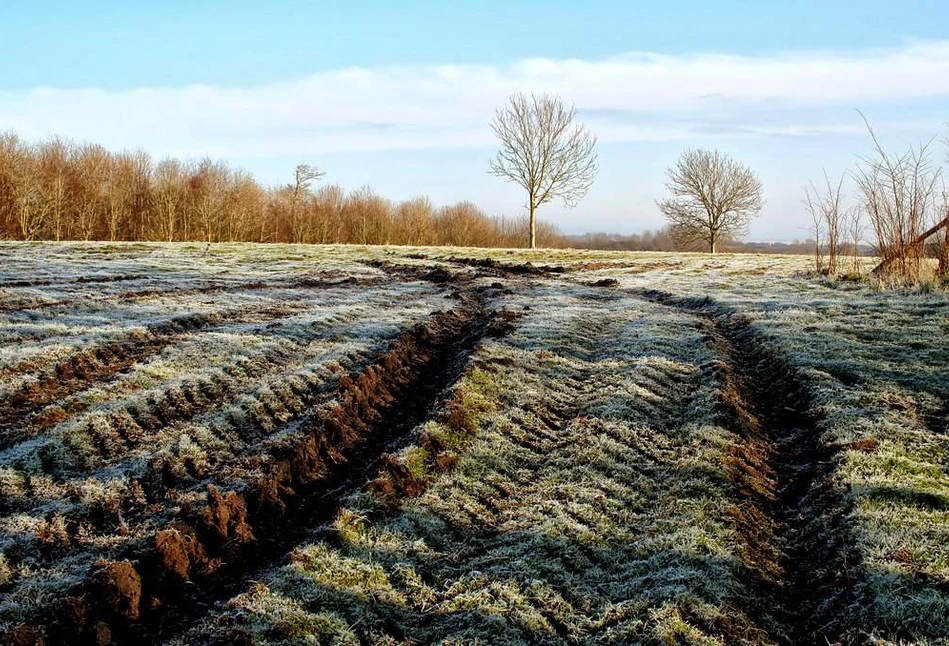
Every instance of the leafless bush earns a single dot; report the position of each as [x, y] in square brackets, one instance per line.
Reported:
[898, 194]
[828, 216]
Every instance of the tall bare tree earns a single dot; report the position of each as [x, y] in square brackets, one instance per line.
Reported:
[93, 162]
[54, 166]
[208, 185]
[544, 151]
[168, 186]
[713, 196]
[303, 177]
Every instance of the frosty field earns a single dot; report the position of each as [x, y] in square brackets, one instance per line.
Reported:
[285, 444]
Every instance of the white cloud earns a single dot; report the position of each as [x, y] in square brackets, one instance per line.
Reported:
[632, 97]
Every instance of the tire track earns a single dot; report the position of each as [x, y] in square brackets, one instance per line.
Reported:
[792, 516]
[88, 366]
[181, 400]
[176, 292]
[215, 542]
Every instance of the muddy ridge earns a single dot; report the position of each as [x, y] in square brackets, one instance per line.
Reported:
[208, 550]
[46, 282]
[305, 282]
[508, 268]
[796, 544]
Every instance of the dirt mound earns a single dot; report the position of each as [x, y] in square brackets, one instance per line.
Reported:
[604, 282]
[516, 269]
[433, 274]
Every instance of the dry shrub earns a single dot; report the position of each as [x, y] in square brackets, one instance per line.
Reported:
[898, 193]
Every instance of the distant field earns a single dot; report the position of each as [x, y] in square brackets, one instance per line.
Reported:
[288, 444]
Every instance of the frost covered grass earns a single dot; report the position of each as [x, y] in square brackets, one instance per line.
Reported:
[592, 504]
[581, 482]
[877, 362]
[97, 451]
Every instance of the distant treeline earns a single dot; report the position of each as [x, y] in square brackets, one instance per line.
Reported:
[662, 240]
[61, 190]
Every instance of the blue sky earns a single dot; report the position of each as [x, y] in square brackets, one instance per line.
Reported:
[400, 95]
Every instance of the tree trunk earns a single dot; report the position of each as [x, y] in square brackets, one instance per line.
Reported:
[533, 224]
[713, 244]
[913, 246]
[944, 255]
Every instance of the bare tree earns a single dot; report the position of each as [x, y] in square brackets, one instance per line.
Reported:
[414, 218]
[93, 162]
[208, 185]
[817, 229]
[855, 229]
[169, 179]
[303, 178]
[30, 207]
[713, 196]
[54, 164]
[327, 210]
[463, 224]
[824, 205]
[544, 152]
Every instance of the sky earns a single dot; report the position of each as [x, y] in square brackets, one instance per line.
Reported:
[400, 95]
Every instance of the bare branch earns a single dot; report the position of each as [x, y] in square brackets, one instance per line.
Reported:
[828, 215]
[898, 193]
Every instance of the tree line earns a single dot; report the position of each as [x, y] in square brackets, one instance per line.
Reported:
[58, 189]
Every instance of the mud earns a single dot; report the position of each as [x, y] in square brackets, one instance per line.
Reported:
[497, 267]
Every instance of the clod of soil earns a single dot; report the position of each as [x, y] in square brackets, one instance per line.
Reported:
[118, 587]
[604, 282]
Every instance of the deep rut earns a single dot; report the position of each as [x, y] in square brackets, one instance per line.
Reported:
[790, 514]
[207, 553]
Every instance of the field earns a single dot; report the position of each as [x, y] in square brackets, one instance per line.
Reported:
[285, 444]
